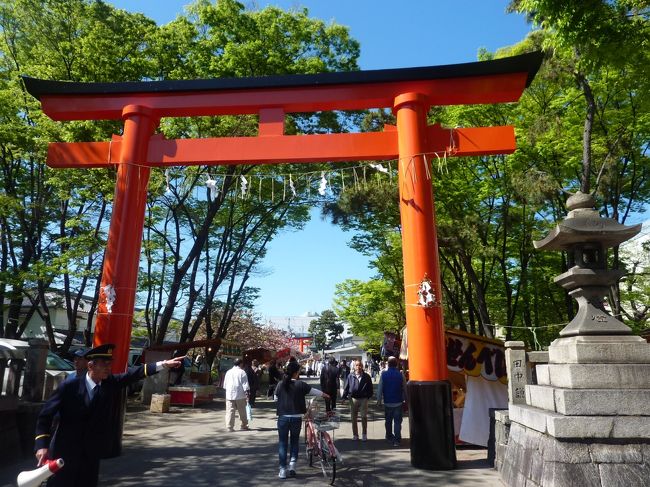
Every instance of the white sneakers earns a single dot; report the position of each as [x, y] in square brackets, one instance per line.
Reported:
[292, 468]
[283, 473]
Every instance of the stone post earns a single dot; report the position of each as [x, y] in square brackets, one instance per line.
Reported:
[36, 360]
[516, 370]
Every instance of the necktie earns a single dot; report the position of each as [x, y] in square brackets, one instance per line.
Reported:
[92, 392]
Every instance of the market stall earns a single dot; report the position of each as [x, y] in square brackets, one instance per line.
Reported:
[477, 372]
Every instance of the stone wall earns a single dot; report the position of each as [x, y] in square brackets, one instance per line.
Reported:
[532, 459]
[17, 426]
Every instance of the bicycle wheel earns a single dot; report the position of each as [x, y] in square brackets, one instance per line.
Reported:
[310, 456]
[327, 462]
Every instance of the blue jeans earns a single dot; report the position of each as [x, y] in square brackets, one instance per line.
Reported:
[288, 425]
[393, 414]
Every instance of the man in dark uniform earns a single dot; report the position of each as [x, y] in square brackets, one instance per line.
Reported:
[83, 405]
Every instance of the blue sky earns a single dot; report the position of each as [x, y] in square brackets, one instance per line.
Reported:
[302, 268]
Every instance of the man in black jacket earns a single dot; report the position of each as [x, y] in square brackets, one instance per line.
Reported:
[83, 405]
[274, 377]
[329, 382]
[359, 388]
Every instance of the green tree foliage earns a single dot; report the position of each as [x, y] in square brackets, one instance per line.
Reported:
[581, 125]
[52, 222]
[199, 251]
[370, 308]
[229, 233]
[325, 329]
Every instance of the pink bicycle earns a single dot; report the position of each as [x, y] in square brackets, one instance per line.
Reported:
[320, 445]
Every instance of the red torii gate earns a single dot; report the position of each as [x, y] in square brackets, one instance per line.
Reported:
[409, 92]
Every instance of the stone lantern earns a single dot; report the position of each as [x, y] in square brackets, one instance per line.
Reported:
[587, 420]
[586, 236]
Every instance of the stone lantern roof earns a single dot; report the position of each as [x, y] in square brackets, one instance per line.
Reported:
[583, 224]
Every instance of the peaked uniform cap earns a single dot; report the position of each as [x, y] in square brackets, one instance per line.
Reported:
[80, 352]
[102, 351]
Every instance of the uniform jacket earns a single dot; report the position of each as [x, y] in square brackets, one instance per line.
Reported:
[82, 423]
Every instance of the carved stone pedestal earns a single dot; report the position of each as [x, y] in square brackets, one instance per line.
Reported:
[587, 422]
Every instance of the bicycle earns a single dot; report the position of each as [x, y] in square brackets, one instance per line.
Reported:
[320, 444]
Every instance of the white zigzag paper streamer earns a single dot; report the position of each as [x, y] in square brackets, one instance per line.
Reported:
[211, 184]
[168, 190]
[109, 292]
[244, 186]
[323, 184]
[292, 187]
[379, 168]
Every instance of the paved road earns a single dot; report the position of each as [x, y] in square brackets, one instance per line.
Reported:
[191, 448]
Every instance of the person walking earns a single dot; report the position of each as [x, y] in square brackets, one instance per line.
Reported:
[274, 376]
[80, 363]
[392, 392]
[344, 371]
[374, 369]
[329, 382]
[359, 388]
[237, 392]
[83, 407]
[257, 370]
[290, 396]
[253, 382]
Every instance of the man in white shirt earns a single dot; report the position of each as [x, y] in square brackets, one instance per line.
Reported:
[237, 389]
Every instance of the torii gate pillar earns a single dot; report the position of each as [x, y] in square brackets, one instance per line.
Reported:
[122, 256]
[410, 91]
[430, 413]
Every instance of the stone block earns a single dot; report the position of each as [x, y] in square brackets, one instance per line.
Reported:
[501, 415]
[566, 452]
[499, 455]
[570, 427]
[541, 397]
[612, 427]
[515, 433]
[537, 357]
[528, 416]
[645, 449]
[160, 403]
[631, 427]
[543, 375]
[536, 468]
[624, 475]
[570, 474]
[600, 350]
[610, 453]
[605, 402]
[598, 376]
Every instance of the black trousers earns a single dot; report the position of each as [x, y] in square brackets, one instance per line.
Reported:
[80, 472]
[330, 404]
[251, 397]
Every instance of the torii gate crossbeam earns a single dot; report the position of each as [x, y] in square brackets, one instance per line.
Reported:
[409, 92]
